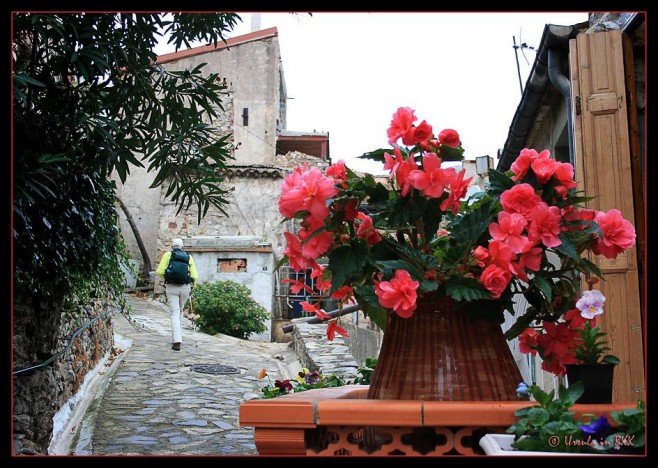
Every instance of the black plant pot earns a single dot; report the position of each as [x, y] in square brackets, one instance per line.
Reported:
[596, 379]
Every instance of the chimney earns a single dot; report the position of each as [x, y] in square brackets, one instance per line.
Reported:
[255, 22]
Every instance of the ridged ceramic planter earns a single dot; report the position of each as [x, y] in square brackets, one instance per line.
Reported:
[440, 353]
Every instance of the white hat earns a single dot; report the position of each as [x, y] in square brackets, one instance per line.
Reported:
[177, 243]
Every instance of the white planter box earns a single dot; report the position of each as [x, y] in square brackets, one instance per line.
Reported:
[501, 444]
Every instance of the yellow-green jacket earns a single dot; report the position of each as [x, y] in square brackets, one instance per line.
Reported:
[164, 263]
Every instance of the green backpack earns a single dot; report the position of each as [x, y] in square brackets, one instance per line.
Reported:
[178, 270]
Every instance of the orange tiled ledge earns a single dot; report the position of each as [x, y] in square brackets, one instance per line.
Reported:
[341, 421]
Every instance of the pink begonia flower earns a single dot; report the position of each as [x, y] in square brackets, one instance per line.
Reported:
[402, 174]
[398, 294]
[393, 162]
[320, 284]
[521, 164]
[296, 286]
[343, 294]
[294, 252]
[449, 137]
[458, 188]
[545, 225]
[309, 191]
[591, 304]
[334, 328]
[481, 254]
[575, 319]
[432, 180]
[509, 229]
[495, 279]
[338, 171]
[528, 341]
[314, 247]
[290, 190]
[420, 134]
[319, 313]
[530, 259]
[564, 175]
[402, 121]
[557, 340]
[525, 161]
[618, 234]
[366, 230]
[520, 199]
[544, 168]
[500, 254]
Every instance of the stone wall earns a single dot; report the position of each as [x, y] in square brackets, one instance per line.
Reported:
[316, 352]
[40, 331]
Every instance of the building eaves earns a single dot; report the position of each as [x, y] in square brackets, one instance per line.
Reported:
[556, 37]
[234, 41]
[256, 171]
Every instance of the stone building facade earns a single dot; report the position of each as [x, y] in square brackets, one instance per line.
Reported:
[254, 115]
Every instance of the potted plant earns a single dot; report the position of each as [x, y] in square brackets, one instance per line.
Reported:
[582, 358]
[550, 427]
[436, 270]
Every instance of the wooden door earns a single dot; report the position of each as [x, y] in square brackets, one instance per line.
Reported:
[603, 169]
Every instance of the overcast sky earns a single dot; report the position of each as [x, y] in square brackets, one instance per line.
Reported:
[347, 73]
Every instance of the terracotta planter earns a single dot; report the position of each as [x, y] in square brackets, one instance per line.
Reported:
[336, 421]
[440, 353]
[596, 379]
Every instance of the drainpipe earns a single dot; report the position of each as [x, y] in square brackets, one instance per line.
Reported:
[554, 39]
[563, 85]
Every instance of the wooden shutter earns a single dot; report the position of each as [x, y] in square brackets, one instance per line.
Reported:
[603, 169]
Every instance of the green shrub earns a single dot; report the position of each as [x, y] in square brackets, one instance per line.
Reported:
[227, 307]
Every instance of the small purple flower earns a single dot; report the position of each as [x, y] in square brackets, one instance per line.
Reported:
[591, 304]
[598, 429]
[312, 378]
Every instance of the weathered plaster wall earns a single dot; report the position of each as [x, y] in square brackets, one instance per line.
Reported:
[257, 275]
[253, 70]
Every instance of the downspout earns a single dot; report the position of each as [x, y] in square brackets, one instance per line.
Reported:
[563, 85]
[555, 39]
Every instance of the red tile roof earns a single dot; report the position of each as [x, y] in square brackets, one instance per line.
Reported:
[252, 36]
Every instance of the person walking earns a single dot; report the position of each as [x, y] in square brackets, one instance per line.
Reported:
[180, 274]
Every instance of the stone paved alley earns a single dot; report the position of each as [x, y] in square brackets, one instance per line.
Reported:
[153, 400]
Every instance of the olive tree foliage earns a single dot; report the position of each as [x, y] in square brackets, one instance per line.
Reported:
[89, 100]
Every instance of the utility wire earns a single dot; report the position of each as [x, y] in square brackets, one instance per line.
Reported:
[70, 343]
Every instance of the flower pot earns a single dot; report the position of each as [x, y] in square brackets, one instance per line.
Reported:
[501, 444]
[596, 378]
[440, 353]
[336, 421]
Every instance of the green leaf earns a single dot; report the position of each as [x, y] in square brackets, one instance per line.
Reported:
[465, 289]
[521, 323]
[406, 210]
[347, 262]
[610, 359]
[376, 155]
[538, 416]
[370, 305]
[569, 396]
[590, 267]
[544, 286]
[499, 182]
[567, 247]
[468, 227]
[541, 396]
